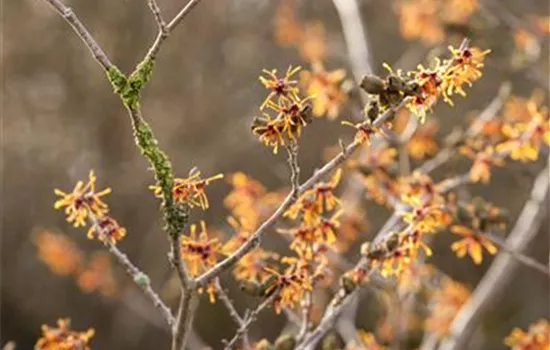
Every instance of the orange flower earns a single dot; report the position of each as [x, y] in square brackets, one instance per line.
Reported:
[537, 337]
[418, 19]
[82, 201]
[472, 243]
[64, 338]
[446, 302]
[288, 30]
[424, 217]
[58, 251]
[251, 267]
[423, 143]
[325, 89]
[98, 275]
[365, 130]
[484, 159]
[312, 47]
[199, 253]
[290, 286]
[190, 190]
[105, 229]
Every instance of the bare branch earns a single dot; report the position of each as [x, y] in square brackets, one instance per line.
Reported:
[68, 14]
[522, 258]
[157, 14]
[250, 318]
[186, 312]
[232, 312]
[503, 267]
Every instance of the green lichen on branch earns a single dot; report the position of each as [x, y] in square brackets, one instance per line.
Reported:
[175, 216]
[129, 88]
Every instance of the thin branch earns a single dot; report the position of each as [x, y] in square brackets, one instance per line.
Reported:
[157, 14]
[165, 31]
[139, 277]
[186, 312]
[250, 318]
[232, 312]
[503, 267]
[68, 14]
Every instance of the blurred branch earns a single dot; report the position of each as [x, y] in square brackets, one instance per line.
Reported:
[232, 312]
[354, 35]
[250, 317]
[503, 267]
[522, 258]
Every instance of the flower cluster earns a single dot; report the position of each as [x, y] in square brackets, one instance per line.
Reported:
[287, 113]
[445, 79]
[537, 337]
[519, 134]
[84, 203]
[191, 190]
[63, 337]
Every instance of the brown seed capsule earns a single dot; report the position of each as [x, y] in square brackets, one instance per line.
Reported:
[395, 83]
[372, 110]
[392, 242]
[372, 84]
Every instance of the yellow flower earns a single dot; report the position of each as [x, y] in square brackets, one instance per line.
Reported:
[283, 88]
[82, 201]
[472, 244]
[190, 190]
[63, 337]
[325, 89]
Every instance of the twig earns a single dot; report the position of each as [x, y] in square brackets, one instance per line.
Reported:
[140, 278]
[251, 317]
[232, 312]
[157, 14]
[503, 267]
[522, 258]
[165, 31]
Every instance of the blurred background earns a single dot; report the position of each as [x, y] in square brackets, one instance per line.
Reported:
[60, 119]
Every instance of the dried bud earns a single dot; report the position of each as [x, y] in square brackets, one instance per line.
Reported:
[392, 242]
[372, 110]
[396, 84]
[372, 84]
